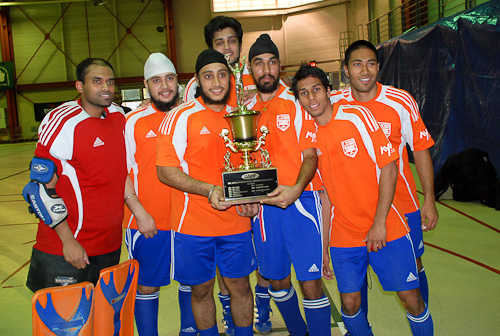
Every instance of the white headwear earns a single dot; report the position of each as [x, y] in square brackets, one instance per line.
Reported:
[156, 64]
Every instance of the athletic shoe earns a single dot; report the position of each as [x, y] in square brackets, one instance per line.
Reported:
[227, 319]
[262, 320]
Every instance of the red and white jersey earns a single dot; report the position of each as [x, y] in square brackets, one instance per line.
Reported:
[352, 149]
[248, 84]
[90, 157]
[141, 135]
[291, 131]
[189, 140]
[398, 115]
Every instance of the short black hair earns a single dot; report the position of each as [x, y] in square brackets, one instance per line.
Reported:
[218, 23]
[305, 71]
[83, 68]
[358, 45]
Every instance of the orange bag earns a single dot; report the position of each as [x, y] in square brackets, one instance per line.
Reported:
[63, 310]
[115, 299]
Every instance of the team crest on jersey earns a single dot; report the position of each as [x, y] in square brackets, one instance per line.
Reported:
[283, 121]
[350, 147]
[386, 127]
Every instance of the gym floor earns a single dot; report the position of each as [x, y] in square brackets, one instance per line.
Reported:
[462, 261]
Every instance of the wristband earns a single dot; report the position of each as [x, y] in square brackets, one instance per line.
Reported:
[210, 193]
[126, 198]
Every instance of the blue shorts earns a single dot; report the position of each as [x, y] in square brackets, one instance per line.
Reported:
[416, 234]
[195, 258]
[394, 265]
[290, 236]
[153, 255]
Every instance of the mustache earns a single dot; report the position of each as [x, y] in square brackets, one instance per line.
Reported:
[262, 77]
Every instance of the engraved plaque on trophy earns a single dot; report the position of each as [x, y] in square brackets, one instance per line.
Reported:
[254, 178]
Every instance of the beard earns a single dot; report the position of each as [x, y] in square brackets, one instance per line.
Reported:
[268, 87]
[210, 101]
[165, 107]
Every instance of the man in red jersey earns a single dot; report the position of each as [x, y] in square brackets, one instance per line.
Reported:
[78, 183]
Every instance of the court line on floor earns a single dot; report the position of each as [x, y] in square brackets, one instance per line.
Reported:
[466, 215]
[16, 224]
[15, 272]
[9, 176]
[494, 270]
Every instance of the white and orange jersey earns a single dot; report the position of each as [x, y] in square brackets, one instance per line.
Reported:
[352, 149]
[398, 115]
[141, 134]
[90, 157]
[189, 140]
[248, 84]
[291, 131]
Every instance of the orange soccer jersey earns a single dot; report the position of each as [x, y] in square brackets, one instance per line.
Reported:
[397, 113]
[189, 139]
[291, 131]
[141, 134]
[352, 150]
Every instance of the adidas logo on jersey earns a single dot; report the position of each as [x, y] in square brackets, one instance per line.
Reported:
[421, 245]
[98, 142]
[151, 134]
[411, 277]
[313, 268]
[204, 131]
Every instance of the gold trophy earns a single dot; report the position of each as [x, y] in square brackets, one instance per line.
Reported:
[252, 180]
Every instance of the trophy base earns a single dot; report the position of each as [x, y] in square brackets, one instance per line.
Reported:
[248, 186]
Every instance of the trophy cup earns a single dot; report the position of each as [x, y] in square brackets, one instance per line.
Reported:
[252, 180]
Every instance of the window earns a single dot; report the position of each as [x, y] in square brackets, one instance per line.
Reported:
[243, 5]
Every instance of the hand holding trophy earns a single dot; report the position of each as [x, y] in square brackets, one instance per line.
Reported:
[252, 180]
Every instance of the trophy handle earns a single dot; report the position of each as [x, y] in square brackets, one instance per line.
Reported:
[229, 143]
[261, 141]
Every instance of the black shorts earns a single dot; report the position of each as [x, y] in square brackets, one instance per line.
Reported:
[49, 270]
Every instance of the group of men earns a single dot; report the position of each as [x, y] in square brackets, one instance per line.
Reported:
[164, 161]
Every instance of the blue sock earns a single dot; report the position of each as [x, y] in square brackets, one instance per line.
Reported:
[424, 285]
[318, 315]
[146, 313]
[227, 317]
[357, 324]
[288, 305]
[225, 300]
[188, 324]
[243, 331]
[263, 294]
[364, 296]
[422, 324]
[210, 331]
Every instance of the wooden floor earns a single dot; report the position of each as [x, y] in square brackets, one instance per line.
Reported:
[462, 261]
